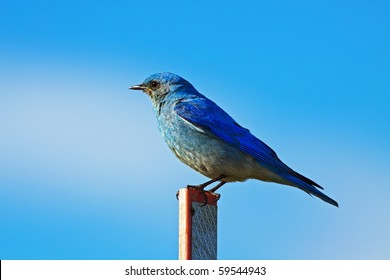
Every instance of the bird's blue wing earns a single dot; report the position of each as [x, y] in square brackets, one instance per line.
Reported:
[211, 119]
[208, 117]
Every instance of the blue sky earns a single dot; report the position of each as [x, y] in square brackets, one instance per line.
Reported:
[84, 173]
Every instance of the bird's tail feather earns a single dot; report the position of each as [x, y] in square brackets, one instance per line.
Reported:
[309, 187]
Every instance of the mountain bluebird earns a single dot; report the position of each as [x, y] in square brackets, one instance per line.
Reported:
[206, 138]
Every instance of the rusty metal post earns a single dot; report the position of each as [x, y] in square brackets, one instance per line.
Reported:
[197, 225]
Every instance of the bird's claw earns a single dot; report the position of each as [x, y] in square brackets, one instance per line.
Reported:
[218, 196]
[206, 200]
[201, 189]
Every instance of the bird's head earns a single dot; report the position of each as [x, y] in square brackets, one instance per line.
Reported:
[157, 86]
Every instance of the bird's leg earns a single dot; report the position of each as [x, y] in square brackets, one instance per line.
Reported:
[216, 188]
[202, 186]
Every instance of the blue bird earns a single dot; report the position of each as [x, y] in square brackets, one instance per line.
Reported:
[207, 139]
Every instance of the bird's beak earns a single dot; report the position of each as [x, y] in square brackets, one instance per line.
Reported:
[138, 87]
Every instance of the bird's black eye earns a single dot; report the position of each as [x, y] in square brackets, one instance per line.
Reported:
[154, 84]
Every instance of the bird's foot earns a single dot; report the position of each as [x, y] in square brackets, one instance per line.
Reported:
[218, 196]
[203, 192]
[200, 188]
